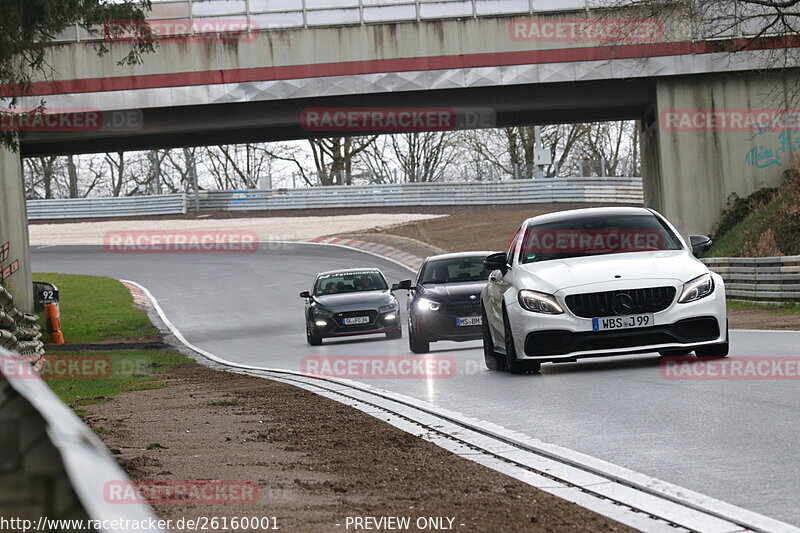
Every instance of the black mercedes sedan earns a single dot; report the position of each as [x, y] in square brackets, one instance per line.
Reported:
[444, 302]
[351, 302]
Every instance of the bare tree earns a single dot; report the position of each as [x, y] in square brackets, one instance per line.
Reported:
[237, 166]
[423, 156]
[44, 177]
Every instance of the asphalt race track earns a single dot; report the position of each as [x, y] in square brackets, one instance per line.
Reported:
[733, 440]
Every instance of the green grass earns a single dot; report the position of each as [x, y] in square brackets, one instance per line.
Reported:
[783, 309]
[111, 372]
[732, 244]
[95, 309]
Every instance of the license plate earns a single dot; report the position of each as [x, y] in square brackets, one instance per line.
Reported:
[469, 321]
[622, 322]
[352, 321]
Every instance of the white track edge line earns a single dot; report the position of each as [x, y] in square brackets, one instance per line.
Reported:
[644, 483]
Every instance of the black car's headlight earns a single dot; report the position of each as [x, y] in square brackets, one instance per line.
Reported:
[539, 302]
[423, 304]
[319, 310]
[698, 288]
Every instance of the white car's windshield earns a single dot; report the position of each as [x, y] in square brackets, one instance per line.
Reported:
[596, 235]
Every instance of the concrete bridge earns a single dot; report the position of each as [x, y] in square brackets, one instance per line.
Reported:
[230, 71]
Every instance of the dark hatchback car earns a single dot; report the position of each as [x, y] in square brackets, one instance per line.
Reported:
[351, 302]
[444, 302]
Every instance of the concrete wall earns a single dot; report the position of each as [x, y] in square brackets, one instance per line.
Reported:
[690, 175]
[14, 230]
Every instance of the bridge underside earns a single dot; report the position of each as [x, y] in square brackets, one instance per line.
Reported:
[280, 120]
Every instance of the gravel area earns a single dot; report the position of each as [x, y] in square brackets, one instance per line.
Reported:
[315, 462]
[268, 229]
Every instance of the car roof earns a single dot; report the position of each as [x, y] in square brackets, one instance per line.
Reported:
[588, 211]
[350, 270]
[458, 255]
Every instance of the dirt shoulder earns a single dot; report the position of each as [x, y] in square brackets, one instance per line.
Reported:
[491, 228]
[316, 462]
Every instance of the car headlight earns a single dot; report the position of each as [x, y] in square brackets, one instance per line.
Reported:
[387, 307]
[696, 289]
[318, 310]
[423, 304]
[539, 302]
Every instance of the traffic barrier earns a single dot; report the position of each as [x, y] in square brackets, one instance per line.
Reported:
[54, 466]
[63, 208]
[597, 190]
[773, 280]
[20, 332]
[53, 315]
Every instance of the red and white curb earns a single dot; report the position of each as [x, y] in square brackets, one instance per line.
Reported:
[140, 298]
[399, 256]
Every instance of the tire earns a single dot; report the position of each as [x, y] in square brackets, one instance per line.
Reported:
[313, 340]
[715, 351]
[416, 344]
[394, 335]
[493, 360]
[514, 365]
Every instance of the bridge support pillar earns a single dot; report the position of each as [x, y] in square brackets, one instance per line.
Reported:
[692, 166]
[15, 265]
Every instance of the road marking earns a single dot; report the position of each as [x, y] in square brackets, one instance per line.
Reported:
[631, 498]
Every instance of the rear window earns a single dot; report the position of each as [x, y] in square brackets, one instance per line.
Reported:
[596, 235]
[350, 282]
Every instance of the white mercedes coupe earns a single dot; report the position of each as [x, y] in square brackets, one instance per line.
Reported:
[600, 282]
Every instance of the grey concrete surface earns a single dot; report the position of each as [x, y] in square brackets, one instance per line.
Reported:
[732, 440]
[14, 229]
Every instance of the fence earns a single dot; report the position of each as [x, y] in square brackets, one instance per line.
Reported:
[759, 279]
[610, 190]
[626, 190]
[107, 207]
[259, 15]
[51, 464]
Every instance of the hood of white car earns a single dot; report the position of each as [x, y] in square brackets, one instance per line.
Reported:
[559, 274]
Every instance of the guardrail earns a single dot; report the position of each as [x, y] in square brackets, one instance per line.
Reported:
[613, 190]
[759, 279]
[53, 466]
[166, 204]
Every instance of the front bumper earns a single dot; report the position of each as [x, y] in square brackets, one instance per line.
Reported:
[378, 324]
[440, 325]
[567, 337]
